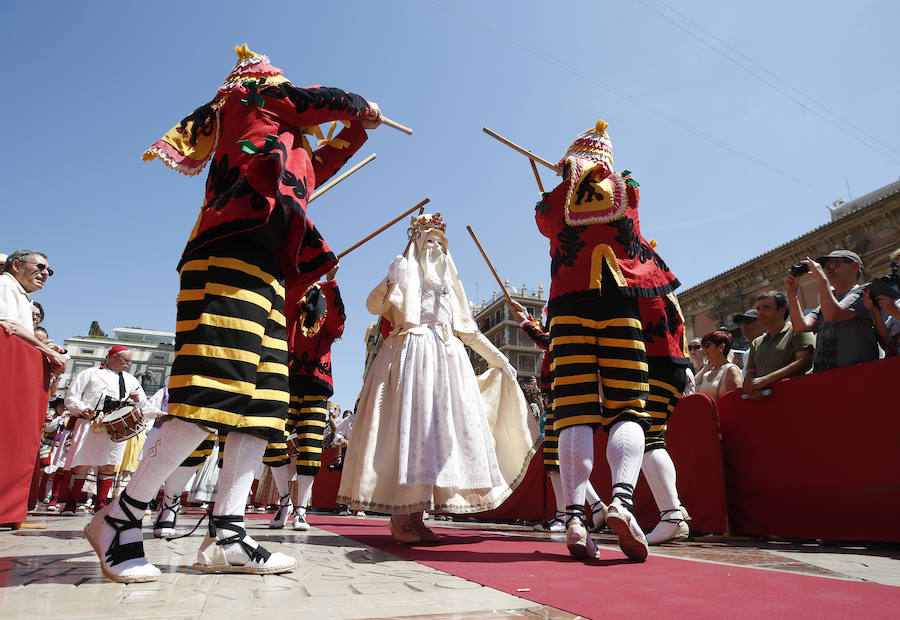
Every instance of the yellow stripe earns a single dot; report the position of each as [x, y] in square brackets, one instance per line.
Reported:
[666, 386]
[278, 317]
[271, 343]
[226, 385]
[237, 265]
[575, 320]
[613, 363]
[235, 420]
[657, 399]
[275, 368]
[217, 320]
[575, 379]
[309, 436]
[576, 400]
[622, 343]
[309, 463]
[194, 294]
[575, 420]
[618, 404]
[625, 385]
[277, 395]
[319, 423]
[277, 446]
[233, 292]
[227, 353]
[573, 359]
[315, 397]
[310, 450]
[312, 409]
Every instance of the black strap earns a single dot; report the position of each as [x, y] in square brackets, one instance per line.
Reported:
[169, 503]
[119, 552]
[626, 496]
[283, 502]
[574, 512]
[670, 520]
[229, 522]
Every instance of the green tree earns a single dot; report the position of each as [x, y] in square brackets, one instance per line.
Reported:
[95, 330]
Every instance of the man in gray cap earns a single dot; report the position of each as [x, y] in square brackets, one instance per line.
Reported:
[749, 323]
[845, 332]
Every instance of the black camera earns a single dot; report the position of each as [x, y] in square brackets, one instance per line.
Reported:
[798, 269]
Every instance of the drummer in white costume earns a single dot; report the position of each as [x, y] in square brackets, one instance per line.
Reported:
[91, 444]
[424, 433]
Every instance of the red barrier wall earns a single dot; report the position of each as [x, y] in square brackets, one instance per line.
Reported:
[532, 500]
[819, 458]
[692, 440]
[24, 379]
[326, 486]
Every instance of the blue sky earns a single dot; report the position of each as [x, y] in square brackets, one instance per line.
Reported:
[730, 165]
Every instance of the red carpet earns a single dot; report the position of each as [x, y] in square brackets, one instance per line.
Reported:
[614, 585]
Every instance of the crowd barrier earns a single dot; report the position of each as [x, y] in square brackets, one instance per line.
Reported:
[819, 458]
[24, 380]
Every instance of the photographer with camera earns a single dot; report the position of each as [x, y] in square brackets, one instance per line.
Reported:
[845, 332]
[882, 298]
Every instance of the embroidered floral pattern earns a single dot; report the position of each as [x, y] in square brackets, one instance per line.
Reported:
[567, 252]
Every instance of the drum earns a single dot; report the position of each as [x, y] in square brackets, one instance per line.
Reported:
[293, 445]
[123, 423]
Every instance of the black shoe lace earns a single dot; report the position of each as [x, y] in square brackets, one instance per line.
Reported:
[119, 552]
[229, 522]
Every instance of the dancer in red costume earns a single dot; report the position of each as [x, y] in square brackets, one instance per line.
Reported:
[252, 239]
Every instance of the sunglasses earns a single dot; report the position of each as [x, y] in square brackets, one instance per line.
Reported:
[694, 347]
[40, 267]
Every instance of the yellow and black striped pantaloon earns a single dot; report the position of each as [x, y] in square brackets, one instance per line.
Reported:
[598, 341]
[306, 418]
[551, 442]
[230, 369]
[201, 452]
[667, 381]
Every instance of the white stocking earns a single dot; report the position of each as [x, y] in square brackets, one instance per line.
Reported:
[591, 494]
[304, 492]
[576, 460]
[282, 477]
[659, 470]
[624, 451]
[177, 481]
[243, 454]
[556, 483]
[172, 444]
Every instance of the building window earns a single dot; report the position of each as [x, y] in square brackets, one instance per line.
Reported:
[158, 358]
[87, 351]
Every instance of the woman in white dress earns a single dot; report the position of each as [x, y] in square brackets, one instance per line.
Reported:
[424, 433]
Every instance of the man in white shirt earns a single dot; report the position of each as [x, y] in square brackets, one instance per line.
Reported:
[25, 272]
[92, 446]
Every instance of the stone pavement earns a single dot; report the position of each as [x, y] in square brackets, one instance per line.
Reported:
[52, 572]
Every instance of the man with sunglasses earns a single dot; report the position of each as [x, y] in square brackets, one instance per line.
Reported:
[25, 272]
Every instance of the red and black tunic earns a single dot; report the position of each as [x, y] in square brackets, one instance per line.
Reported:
[261, 169]
[310, 356]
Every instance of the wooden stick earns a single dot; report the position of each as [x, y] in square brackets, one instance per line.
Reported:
[385, 120]
[537, 177]
[524, 152]
[488, 261]
[419, 206]
[337, 180]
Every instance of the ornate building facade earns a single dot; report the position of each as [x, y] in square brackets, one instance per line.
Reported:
[868, 225]
[496, 323]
